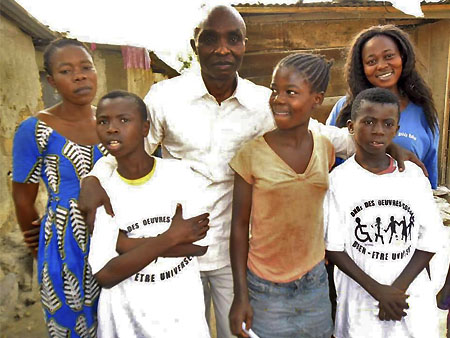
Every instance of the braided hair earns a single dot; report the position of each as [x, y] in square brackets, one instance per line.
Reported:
[410, 82]
[314, 68]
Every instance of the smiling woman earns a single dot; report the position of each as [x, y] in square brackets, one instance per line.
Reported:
[59, 146]
[384, 57]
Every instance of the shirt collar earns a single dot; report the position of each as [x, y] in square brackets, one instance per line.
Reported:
[241, 93]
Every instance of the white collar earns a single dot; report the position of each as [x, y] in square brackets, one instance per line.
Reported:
[241, 94]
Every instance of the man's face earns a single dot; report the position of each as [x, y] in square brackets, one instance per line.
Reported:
[220, 44]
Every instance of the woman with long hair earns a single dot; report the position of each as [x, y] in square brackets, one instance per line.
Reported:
[384, 56]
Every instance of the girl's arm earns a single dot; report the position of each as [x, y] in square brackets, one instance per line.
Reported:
[392, 299]
[24, 196]
[241, 310]
[125, 244]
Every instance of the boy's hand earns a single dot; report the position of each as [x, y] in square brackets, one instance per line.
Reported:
[92, 195]
[240, 312]
[401, 155]
[188, 230]
[392, 302]
[443, 298]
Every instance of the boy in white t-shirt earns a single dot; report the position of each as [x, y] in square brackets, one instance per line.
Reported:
[142, 257]
[381, 230]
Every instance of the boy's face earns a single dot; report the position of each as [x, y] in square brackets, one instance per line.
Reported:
[120, 126]
[375, 127]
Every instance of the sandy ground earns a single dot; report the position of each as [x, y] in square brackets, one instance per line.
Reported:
[30, 323]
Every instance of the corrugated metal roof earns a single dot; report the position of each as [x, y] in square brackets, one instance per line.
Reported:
[40, 34]
[336, 3]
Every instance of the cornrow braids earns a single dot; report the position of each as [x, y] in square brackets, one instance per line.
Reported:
[314, 68]
[54, 46]
[410, 82]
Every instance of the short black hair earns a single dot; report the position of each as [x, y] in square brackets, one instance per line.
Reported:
[374, 95]
[314, 68]
[54, 46]
[140, 104]
[208, 10]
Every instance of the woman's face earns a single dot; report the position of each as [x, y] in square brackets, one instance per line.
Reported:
[382, 62]
[73, 74]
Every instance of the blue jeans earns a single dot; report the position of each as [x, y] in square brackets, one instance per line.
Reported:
[300, 308]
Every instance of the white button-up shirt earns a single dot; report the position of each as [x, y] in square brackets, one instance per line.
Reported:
[191, 126]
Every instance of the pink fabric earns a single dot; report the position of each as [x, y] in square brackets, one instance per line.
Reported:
[93, 46]
[135, 57]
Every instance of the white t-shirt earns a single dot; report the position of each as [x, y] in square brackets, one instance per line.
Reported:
[379, 221]
[191, 126]
[165, 299]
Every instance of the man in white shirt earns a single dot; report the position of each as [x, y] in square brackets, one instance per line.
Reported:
[203, 119]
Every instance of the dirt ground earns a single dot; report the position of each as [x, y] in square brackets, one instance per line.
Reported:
[31, 324]
[28, 320]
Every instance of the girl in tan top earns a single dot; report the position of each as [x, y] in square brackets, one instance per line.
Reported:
[280, 282]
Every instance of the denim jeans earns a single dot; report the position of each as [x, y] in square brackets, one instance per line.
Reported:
[300, 308]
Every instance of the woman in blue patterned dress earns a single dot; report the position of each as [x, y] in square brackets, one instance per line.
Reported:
[60, 146]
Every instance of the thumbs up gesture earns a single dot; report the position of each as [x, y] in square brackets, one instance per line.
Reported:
[188, 230]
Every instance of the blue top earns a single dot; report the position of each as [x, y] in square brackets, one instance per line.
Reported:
[414, 134]
[68, 290]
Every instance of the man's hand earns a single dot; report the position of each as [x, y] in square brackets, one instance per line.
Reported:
[240, 312]
[31, 237]
[392, 302]
[188, 230]
[401, 155]
[92, 195]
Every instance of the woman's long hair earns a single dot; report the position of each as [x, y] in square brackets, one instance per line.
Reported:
[410, 82]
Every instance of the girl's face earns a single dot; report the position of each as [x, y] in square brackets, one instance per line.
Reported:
[292, 100]
[73, 74]
[382, 62]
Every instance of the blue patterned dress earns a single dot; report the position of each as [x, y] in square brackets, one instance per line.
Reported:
[69, 292]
